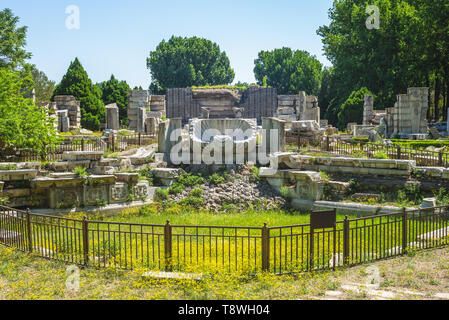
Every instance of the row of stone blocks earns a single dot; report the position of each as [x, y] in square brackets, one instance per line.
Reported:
[66, 190]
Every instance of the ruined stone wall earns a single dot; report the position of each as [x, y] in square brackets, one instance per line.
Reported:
[73, 108]
[141, 106]
[186, 103]
[259, 102]
[412, 111]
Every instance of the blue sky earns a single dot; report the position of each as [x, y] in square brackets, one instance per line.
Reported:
[116, 36]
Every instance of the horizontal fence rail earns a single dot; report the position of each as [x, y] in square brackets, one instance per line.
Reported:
[279, 250]
[372, 150]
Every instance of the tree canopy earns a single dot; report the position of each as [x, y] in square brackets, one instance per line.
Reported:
[352, 109]
[408, 50]
[76, 82]
[12, 40]
[289, 71]
[22, 123]
[115, 91]
[185, 62]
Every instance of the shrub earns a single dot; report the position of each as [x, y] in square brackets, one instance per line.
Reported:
[442, 196]
[80, 172]
[192, 201]
[146, 173]
[161, 194]
[189, 179]
[255, 176]
[8, 167]
[358, 154]
[324, 176]
[197, 192]
[216, 179]
[176, 188]
[381, 155]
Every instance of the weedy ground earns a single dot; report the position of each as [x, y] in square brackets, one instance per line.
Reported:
[25, 276]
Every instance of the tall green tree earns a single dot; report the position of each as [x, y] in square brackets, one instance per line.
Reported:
[76, 82]
[22, 123]
[386, 60]
[43, 87]
[289, 71]
[185, 62]
[12, 41]
[114, 91]
[352, 109]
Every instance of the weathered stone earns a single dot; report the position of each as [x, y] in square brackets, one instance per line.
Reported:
[165, 175]
[112, 117]
[64, 166]
[130, 178]
[82, 155]
[17, 175]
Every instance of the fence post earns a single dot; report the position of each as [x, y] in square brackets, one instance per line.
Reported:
[29, 231]
[140, 139]
[398, 153]
[265, 248]
[327, 144]
[85, 240]
[440, 159]
[311, 249]
[168, 246]
[404, 230]
[83, 145]
[346, 241]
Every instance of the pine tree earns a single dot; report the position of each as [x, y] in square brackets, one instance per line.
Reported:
[76, 82]
[114, 91]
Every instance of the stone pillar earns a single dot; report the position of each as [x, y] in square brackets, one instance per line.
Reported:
[141, 117]
[63, 120]
[112, 117]
[368, 109]
[301, 104]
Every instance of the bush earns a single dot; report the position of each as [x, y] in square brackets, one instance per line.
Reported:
[381, 155]
[176, 188]
[216, 179]
[146, 173]
[442, 196]
[161, 194]
[8, 167]
[255, 176]
[189, 179]
[192, 201]
[358, 154]
[198, 193]
[80, 172]
[352, 108]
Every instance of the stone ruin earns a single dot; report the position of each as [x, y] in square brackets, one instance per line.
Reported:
[57, 187]
[298, 107]
[407, 119]
[145, 111]
[112, 117]
[68, 111]
[242, 136]
[408, 116]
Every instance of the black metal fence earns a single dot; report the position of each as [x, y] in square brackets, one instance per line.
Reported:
[373, 150]
[285, 249]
